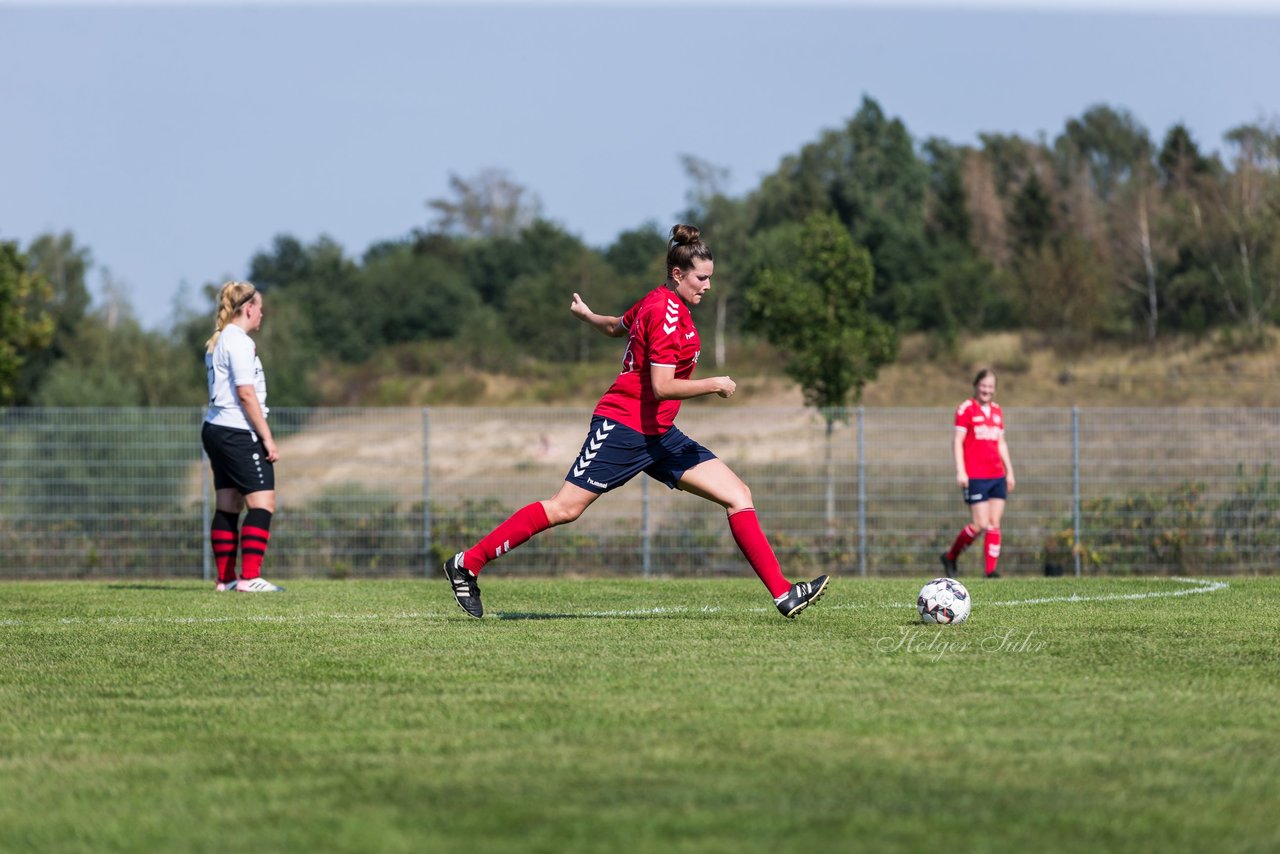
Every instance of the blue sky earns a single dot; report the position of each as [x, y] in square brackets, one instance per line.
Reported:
[176, 139]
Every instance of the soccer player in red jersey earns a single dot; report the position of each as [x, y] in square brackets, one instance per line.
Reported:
[983, 471]
[633, 430]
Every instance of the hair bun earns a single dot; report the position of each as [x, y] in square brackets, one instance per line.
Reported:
[683, 234]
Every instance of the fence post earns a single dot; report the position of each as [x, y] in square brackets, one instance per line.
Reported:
[1075, 486]
[426, 491]
[646, 534]
[862, 497]
[206, 559]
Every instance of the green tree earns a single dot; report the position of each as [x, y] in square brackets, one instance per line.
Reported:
[639, 253]
[1111, 154]
[1242, 228]
[493, 264]
[291, 354]
[1011, 159]
[1111, 143]
[869, 175]
[537, 312]
[26, 325]
[1191, 299]
[1180, 160]
[410, 297]
[1065, 289]
[1063, 279]
[726, 226]
[113, 361]
[947, 210]
[330, 317]
[817, 312]
[1032, 222]
[286, 264]
[59, 262]
[1141, 246]
[960, 287]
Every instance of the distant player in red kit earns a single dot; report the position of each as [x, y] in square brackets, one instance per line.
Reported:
[983, 471]
[633, 431]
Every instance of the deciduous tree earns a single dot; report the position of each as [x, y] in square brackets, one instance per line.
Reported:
[869, 175]
[1108, 157]
[725, 225]
[490, 204]
[59, 262]
[26, 325]
[1242, 225]
[816, 311]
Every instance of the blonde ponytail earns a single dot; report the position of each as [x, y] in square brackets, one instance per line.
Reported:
[232, 297]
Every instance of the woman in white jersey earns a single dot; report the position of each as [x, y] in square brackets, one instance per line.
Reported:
[238, 441]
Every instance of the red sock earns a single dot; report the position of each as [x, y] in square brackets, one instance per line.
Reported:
[225, 539]
[966, 536]
[523, 524]
[254, 537]
[755, 546]
[992, 541]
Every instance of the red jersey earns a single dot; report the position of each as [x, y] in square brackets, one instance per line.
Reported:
[982, 433]
[661, 333]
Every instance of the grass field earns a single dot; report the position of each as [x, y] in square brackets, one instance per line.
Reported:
[609, 715]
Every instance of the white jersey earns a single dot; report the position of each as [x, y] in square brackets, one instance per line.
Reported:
[233, 362]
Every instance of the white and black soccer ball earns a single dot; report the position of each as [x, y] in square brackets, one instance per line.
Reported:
[943, 600]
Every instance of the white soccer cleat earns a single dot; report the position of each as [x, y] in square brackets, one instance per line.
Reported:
[224, 586]
[257, 585]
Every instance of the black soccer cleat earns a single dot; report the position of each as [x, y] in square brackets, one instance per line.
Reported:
[465, 588]
[948, 566]
[801, 596]
[993, 574]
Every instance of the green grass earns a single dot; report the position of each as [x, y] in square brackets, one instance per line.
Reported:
[597, 715]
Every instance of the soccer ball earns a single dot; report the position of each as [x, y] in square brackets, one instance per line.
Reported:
[943, 600]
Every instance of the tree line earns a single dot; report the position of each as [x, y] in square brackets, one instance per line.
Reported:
[1102, 232]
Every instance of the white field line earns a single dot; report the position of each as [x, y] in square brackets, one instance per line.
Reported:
[1199, 586]
[1192, 586]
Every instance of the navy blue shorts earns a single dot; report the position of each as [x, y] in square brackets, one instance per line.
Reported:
[985, 490]
[614, 453]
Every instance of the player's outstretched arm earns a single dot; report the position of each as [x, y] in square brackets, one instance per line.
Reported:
[607, 324]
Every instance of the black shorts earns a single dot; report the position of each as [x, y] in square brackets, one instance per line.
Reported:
[238, 459]
[613, 454]
[985, 489]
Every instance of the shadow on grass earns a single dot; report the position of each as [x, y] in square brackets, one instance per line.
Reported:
[529, 615]
[166, 587]
[525, 615]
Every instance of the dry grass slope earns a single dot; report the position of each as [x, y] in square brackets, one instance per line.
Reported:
[1181, 372]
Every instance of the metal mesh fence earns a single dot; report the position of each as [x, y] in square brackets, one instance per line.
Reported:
[392, 492]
